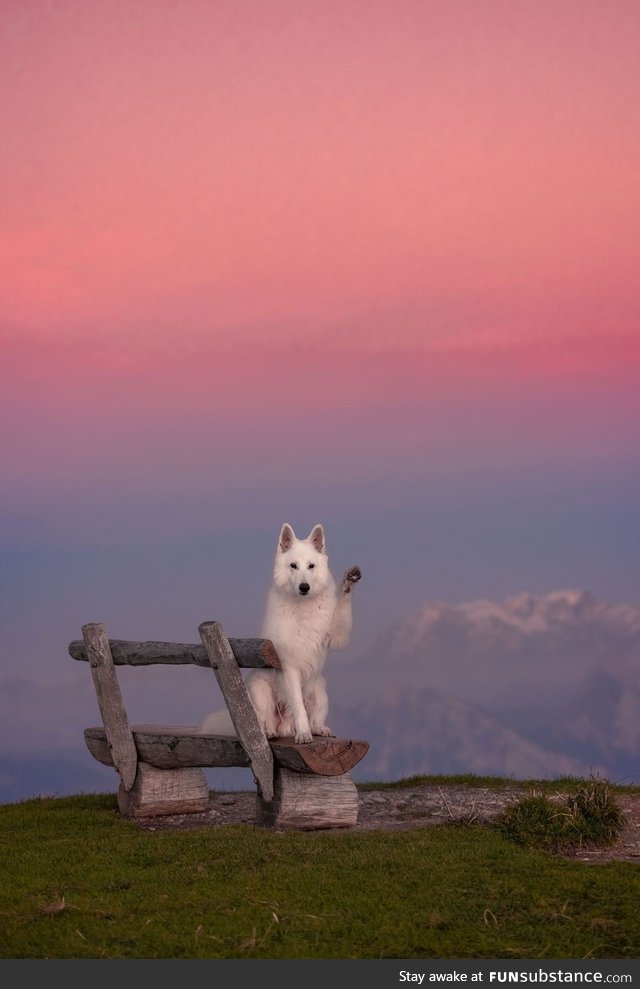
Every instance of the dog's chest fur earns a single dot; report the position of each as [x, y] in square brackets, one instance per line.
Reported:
[300, 629]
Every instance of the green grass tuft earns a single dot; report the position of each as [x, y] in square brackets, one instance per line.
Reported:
[588, 816]
[597, 815]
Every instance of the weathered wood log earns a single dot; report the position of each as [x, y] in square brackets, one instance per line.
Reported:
[164, 791]
[243, 715]
[173, 747]
[249, 653]
[309, 803]
[114, 716]
[176, 746]
[322, 756]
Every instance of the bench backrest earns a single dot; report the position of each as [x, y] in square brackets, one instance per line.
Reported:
[224, 656]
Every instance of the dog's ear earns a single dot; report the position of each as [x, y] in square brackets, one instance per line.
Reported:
[316, 536]
[287, 535]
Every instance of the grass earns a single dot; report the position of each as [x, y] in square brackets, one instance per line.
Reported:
[589, 815]
[567, 784]
[79, 881]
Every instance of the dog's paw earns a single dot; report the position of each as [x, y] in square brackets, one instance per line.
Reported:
[323, 730]
[350, 579]
[303, 736]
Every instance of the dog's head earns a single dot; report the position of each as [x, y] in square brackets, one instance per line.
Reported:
[301, 565]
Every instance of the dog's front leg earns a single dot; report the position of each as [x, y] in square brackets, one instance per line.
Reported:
[260, 688]
[317, 705]
[293, 688]
[342, 622]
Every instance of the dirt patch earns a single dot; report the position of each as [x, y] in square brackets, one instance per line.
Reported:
[413, 807]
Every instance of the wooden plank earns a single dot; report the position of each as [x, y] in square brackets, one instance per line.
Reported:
[309, 803]
[173, 747]
[248, 653]
[178, 746]
[248, 728]
[114, 716]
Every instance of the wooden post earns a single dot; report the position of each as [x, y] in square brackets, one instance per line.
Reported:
[114, 716]
[244, 718]
[309, 803]
[165, 791]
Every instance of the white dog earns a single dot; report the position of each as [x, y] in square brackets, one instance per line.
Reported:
[306, 615]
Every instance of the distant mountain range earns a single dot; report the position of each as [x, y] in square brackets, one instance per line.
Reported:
[535, 686]
[418, 731]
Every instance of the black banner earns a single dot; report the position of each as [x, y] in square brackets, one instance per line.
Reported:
[348, 974]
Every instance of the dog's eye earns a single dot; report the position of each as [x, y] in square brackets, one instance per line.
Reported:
[294, 566]
[311, 566]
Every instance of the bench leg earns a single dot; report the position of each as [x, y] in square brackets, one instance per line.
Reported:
[164, 791]
[306, 802]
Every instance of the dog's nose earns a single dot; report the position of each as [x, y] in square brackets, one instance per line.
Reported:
[304, 588]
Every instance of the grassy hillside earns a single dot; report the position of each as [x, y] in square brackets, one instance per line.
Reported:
[78, 881]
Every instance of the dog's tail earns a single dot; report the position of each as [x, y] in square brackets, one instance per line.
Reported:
[218, 723]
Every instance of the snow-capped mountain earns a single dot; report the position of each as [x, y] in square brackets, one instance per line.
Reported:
[559, 671]
[532, 613]
[495, 654]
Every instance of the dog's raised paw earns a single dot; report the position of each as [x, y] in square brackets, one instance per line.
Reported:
[353, 575]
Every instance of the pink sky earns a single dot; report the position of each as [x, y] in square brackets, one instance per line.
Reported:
[381, 174]
[405, 229]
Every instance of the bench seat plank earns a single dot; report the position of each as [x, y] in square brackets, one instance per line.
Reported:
[178, 746]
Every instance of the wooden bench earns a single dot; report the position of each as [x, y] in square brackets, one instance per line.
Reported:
[305, 786]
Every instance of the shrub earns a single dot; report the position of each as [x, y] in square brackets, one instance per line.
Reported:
[597, 816]
[590, 815]
[534, 820]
